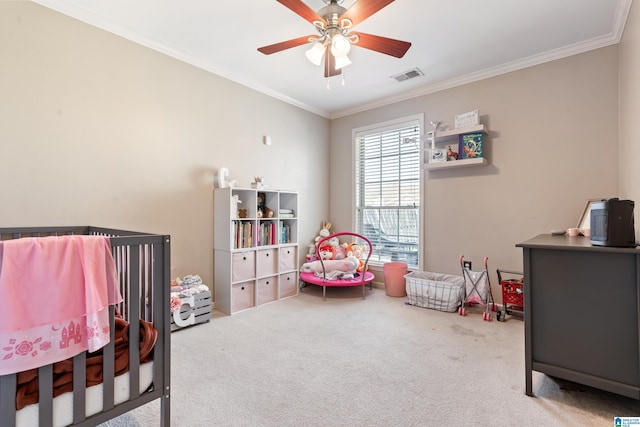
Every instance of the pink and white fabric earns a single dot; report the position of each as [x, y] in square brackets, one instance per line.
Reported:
[55, 294]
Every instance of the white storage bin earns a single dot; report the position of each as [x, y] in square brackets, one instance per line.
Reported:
[444, 292]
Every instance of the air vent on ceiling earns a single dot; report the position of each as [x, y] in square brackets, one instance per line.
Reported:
[408, 75]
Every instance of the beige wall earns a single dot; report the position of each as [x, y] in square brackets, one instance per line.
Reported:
[552, 146]
[630, 111]
[97, 130]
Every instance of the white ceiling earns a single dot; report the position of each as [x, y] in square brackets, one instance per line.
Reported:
[453, 42]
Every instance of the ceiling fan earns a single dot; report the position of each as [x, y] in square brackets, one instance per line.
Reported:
[334, 23]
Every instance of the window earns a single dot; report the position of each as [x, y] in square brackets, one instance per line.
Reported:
[387, 189]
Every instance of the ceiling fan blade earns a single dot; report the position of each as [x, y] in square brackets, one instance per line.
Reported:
[384, 45]
[362, 9]
[330, 64]
[302, 10]
[273, 48]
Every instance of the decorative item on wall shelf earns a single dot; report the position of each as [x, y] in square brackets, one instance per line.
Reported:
[431, 135]
[437, 155]
[471, 145]
[466, 119]
[451, 155]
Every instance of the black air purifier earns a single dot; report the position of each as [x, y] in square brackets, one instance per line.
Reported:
[612, 223]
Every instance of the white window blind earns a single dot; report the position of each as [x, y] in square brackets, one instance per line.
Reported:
[387, 208]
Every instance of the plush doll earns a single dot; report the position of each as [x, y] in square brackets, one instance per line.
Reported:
[311, 253]
[326, 252]
[358, 251]
[324, 232]
[261, 206]
[338, 251]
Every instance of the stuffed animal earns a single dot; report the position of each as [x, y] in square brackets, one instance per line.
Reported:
[261, 206]
[451, 155]
[358, 251]
[334, 268]
[311, 253]
[326, 252]
[338, 251]
[324, 232]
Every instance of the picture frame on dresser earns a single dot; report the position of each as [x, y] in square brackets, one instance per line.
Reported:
[585, 219]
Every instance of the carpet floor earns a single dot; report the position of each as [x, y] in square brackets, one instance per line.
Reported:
[348, 361]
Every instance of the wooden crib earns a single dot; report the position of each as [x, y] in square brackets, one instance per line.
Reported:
[143, 266]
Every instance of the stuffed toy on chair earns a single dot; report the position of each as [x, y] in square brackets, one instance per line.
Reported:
[311, 253]
[338, 251]
[326, 252]
[333, 269]
[358, 251]
[324, 232]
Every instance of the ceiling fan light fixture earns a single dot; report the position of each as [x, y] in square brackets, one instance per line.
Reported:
[333, 24]
[340, 45]
[342, 61]
[316, 53]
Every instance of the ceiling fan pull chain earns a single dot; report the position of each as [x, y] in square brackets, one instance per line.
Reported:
[328, 84]
[342, 78]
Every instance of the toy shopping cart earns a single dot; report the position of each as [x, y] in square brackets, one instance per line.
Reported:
[512, 293]
[478, 289]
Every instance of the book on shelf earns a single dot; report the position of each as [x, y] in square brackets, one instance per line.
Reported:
[286, 215]
[285, 232]
[267, 233]
[243, 232]
[470, 145]
[247, 228]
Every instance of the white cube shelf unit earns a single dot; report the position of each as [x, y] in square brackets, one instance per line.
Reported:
[255, 247]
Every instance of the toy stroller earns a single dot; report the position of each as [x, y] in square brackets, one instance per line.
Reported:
[478, 289]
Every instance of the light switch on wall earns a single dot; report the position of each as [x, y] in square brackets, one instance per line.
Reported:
[266, 140]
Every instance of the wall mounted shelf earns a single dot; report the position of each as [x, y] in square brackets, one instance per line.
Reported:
[456, 164]
[447, 137]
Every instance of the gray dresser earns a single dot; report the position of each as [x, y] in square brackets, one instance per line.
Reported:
[581, 313]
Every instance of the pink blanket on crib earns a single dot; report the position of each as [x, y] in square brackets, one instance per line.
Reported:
[54, 298]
